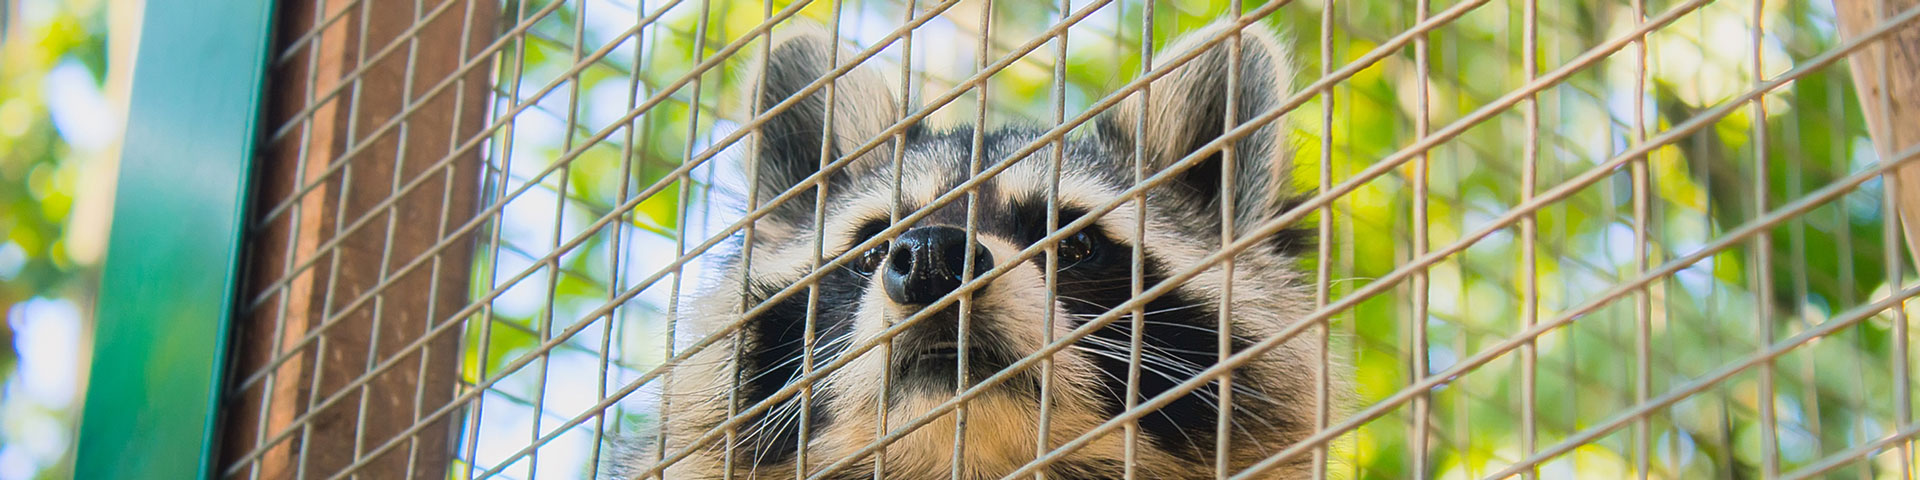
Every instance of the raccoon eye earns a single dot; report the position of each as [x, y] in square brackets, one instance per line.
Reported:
[870, 260]
[1077, 248]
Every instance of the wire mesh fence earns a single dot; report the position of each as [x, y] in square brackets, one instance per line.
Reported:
[1646, 239]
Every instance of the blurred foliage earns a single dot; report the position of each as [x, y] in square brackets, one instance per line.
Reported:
[57, 135]
[1827, 396]
[36, 180]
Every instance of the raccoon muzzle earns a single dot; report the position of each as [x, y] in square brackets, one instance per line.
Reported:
[925, 264]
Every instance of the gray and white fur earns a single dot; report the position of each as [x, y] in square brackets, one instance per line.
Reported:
[1273, 398]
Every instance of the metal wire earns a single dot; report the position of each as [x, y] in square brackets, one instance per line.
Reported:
[1417, 285]
[1393, 397]
[1323, 381]
[1529, 239]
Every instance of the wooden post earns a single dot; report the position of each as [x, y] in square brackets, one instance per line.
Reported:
[1889, 69]
[298, 301]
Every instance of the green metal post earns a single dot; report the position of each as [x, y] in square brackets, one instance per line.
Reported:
[173, 259]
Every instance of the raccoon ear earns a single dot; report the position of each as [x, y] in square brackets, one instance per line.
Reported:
[791, 140]
[1187, 109]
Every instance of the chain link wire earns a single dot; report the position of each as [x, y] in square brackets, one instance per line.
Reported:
[1609, 239]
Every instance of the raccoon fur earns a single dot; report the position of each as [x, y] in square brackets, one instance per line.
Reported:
[1273, 398]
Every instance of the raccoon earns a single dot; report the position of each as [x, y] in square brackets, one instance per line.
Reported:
[1273, 398]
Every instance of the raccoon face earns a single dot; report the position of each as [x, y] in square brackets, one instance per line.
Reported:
[1005, 320]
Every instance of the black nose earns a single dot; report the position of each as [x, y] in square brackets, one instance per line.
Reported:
[925, 264]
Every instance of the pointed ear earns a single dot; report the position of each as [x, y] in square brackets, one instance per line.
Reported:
[791, 140]
[1187, 109]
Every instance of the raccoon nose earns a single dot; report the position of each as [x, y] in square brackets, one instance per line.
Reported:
[925, 264]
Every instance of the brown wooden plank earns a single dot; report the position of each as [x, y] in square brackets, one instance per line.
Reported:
[335, 437]
[1895, 123]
